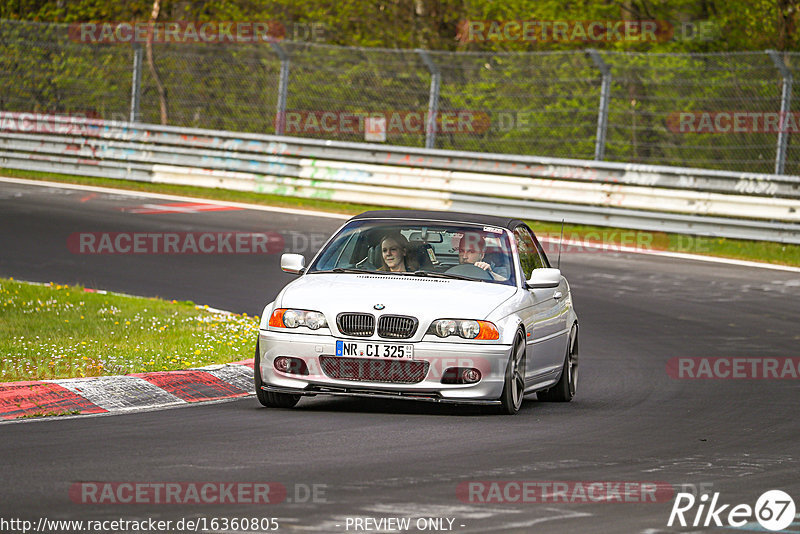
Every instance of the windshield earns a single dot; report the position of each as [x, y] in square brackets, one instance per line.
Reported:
[446, 250]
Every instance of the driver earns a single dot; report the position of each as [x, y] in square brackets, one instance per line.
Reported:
[471, 249]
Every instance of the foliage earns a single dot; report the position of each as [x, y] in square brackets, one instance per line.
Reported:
[734, 25]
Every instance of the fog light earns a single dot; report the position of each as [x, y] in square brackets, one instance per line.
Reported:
[461, 375]
[470, 376]
[288, 365]
[282, 364]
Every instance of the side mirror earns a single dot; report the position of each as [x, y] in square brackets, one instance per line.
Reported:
[293, 263]
[544, 278]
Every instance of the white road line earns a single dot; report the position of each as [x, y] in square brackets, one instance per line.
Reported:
[144, 194]
[152, 209]
[311, 213]
[157, 208]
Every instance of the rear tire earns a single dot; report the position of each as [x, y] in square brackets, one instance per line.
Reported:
[514, 387]
[269, 398]
[567, 385]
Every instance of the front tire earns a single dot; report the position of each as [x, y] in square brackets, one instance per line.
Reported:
[567, 385]
[269, 398]
[514, 387]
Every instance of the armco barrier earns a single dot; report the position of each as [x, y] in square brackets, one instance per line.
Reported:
[672, 199]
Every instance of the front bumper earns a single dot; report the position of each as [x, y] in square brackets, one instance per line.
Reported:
[490, 358]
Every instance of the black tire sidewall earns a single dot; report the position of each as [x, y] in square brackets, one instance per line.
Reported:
[260, 393]
[507, 397]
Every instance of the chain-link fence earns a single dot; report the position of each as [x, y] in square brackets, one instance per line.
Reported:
[695, 110]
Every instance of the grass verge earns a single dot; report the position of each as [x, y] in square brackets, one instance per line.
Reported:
[762, 251]
[58, 331]
[36, 415]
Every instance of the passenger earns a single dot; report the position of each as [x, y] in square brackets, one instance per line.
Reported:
[471, 249]
[395, 253]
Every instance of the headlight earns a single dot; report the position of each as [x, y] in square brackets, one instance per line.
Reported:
[286, 318]
[469, 329]
[445, 327]
[315, 320]
[291, 318]
[466, 328]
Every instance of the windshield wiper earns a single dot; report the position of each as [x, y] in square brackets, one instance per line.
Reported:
[432, 274]
[351, 270]
[435, 274]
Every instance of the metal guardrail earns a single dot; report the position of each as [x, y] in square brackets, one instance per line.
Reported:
[659, 198]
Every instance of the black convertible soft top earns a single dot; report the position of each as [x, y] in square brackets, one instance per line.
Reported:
[449, 216]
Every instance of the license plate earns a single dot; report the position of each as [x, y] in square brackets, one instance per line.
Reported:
[361, 349]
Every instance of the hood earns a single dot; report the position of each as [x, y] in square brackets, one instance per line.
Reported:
[421, 297]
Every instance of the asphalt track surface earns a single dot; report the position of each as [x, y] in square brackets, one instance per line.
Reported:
[629, 422]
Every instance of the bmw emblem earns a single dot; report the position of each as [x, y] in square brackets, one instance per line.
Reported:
[379, 306]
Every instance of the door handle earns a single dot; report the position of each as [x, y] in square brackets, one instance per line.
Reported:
[557, 295]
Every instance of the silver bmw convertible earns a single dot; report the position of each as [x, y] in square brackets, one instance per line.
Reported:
[423, 305]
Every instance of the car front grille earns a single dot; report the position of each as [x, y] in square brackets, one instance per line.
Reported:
[356, 324]
[374, 370]
[396, 326]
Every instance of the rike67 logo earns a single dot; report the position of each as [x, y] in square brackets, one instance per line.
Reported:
[774, 510]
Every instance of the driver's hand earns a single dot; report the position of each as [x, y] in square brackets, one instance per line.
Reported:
[483, 265]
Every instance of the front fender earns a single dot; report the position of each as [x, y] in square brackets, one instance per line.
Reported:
[508, 326]
[266, 314]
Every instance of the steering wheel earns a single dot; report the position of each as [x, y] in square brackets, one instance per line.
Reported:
[468, 269]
